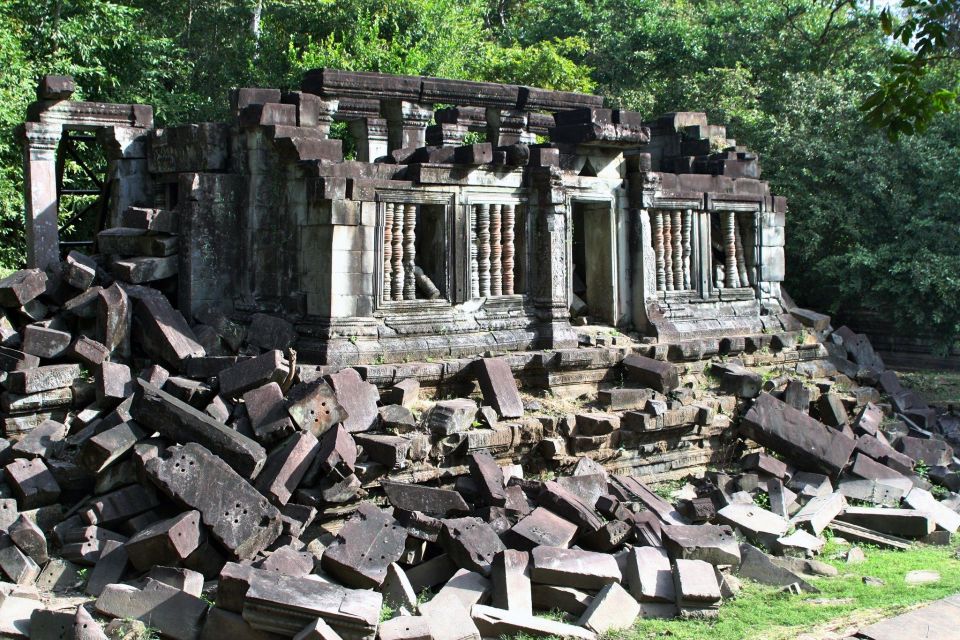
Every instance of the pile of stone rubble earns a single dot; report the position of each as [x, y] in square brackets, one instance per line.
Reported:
[152, 466]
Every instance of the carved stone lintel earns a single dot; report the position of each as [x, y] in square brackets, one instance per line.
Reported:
[509, 220]
[496, 251]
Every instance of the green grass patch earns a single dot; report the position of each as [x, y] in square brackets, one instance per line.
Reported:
[761, 613]
[935, 386]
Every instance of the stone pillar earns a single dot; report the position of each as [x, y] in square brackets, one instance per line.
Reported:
[728, 228]
[549, 287]
[409, 251]
[507, 126]
[370, 135]
[509, 222]
[40, 193]
[388, 209]
[483, 248]
[406, 123]
[396, 256]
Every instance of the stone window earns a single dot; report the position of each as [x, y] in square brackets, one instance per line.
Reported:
[732, 249]
[672, 233]
[416, 252]
[497, 247]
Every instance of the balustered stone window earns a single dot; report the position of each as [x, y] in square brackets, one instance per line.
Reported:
[497, 247]
[417, 252]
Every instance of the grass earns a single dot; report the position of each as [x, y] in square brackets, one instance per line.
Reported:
[935, 386]
[761, 613]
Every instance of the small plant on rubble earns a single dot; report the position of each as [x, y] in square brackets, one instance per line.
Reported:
[922, 469]
[762, 500]
[386, 612]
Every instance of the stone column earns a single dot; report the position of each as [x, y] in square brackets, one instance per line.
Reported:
[396, 256]
[387, 250]
[406, 123]
[370, 135]
[409, 251]
[509, 220]
[496, 251]
[40, 193]
[728, 228]
[483, 248]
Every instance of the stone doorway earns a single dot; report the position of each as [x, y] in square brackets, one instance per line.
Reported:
[593, 259]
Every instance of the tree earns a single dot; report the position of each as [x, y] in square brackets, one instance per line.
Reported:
[924, 68]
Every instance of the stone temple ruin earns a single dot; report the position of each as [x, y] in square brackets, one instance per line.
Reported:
[426, 392]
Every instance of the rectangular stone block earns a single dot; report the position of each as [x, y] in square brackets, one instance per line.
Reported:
[574, 568]
[429, 500]
[499, 387]
[365, 547]
[493, 622]
[176, 614]
[37, 379]
[656, 374]
[511, 581]
[612, 609]
[286, 466]
[252, 373]
[162, 330]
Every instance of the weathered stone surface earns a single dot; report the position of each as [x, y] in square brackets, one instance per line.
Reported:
[655, 374]
[29, 538]
[574, 568]
[612, 609]
[364, 548]
[174, 613]
[493, 622]
[226, 624]
[547, 597]
[758, 566]
[405, 393]
[429, 500]
[163, 332]
[471, 543]
[905, 523]
[20, 287]
[267, 413]
[696, 585]
[388, 450]
[358, 398]
[923, 500]
[37, 379]
[15, 613]
[252, 373]
[498, 387]
[511, 581]
[45, 342]
[569, 506]
[404, 628]
[121, 504]
[179, 422]
[18, 566]
[711, 543]
[45, 441]
[236, 514]
[764, 463]
[168, 542]
[314, 407]
[285, 605]
[32, 483]
[338, 452]
[489, 478]
[932, 452]
[820, 512]
[542, 527]
[756, 523]
[397, 590]
[110, 567]
[105, 448]
[649, 575]
[807, 443]
[285, 467]
[451, 416]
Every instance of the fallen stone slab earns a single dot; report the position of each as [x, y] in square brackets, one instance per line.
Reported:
[18, 566]
[177, 421]
[498, 387]
[286, 466]
[46, 623]
[38, 379]
[432, 501]
[448, 417]
[114, 316]
[449, 621]
[758, 566]
[32, 483]
[782, 499]
[285, 605]
[938, 620]
[612, 609]
[167, 542]
[809, 444]
[314, 407]
[574, 568]
[174, 613]
[649, 575]
[857, 533]
[365, 547]
[397, 590]
[357, 397]
[493, 622]
[569, 506]
[658, 375]
[541, 527]
[869, 469]
[338, 452]
[933, 452]
[763, 463]
[29, 538]
[511, 581]
[162, 331]
[697, 588]
[887, 492]
[110, 567]
[755, 523]
[904, 523]
[630, 489]
[44, 441]
[226, 624]
[923, 500]
[801, 542]
[488, 476]
[236, 514]
[45, 342]
[389, 450]
[121, 504]
[711, 543]
[820, 512]
[15, 613]
[267, 413]
[105, 448]
[252, 373]
[547, 597]
[471, 543]
[20, 287]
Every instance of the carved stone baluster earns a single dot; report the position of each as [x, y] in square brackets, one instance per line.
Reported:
[657, 224]
[409, 252]
[747, 231]
[741, 263]
[677, 226]
[483, 248]
[396, 257]
[731, 275]
[509, 220]
[474, 248]
[667, 252]
[387, 249]
[496, 251]
[687, 248]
